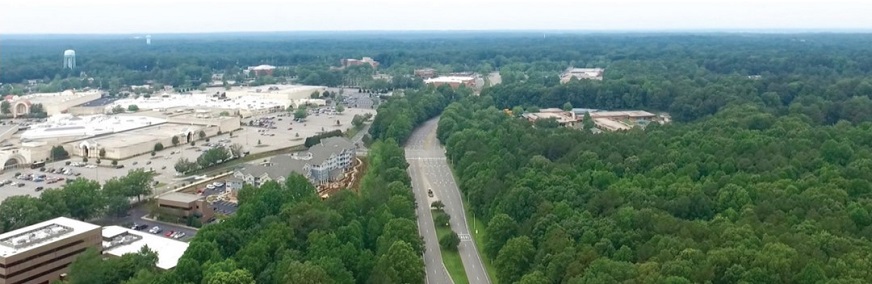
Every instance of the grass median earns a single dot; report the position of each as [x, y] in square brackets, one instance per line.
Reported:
[451, 258]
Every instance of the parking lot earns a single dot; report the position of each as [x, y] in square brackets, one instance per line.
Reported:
[284, 132]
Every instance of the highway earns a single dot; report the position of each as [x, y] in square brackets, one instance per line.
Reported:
[429, 169]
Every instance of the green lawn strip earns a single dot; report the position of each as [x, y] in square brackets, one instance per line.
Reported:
[479, 238]
[451, 258]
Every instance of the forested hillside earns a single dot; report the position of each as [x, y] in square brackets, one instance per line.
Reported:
[743, 196]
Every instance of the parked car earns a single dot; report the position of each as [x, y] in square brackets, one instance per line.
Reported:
[20, 184]
[179, 235]
[430, 192]
[39, 188]
[155, 230]
[169, 234]
[139, 227]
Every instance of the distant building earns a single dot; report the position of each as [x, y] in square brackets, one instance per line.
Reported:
[70, 59]
[581, 74]
[262, 70]
[322, 163]
[148, 40]
[453, 81]
[561, 117]
[184, 205]
[357, 62]
[425, 73]
[604, 120]
[42, 252]
[118, 241]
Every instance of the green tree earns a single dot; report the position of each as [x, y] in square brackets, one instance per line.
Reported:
[102, 153]
[37, 110]
[449, 241]
[175, 140]
[83, 198]
[133, 108]
[238, 276]
[20, 211]
[399, 229]
[5, 107]
[340, 109]
[184, 166]
[499, 230]
[301, 113]
[514, 259]
[201, 134]
[442, 219]
[59, 153]
[158, 146]
[292, 271]
[400, 264]
[567, 106]
[588, 122]
[212, 157]
[117, 109]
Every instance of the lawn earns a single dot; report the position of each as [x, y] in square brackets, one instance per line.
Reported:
[451, 258]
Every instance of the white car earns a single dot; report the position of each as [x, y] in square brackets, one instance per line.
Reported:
[210, 187]
[155, 230]
[217, 184]
[179, 235]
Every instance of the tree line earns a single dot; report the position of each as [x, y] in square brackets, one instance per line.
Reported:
[81, 198]
[746, 195]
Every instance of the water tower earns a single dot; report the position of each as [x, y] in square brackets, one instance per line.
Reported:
[70, 59]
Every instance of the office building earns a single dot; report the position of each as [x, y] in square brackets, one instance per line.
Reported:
[582, 74]
[183, 205]
[42, 252]
[453, 81]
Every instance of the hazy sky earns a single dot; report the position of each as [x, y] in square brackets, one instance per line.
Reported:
[184, 16]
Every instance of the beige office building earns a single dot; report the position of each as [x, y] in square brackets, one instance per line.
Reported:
[40, 253]
[183, 205]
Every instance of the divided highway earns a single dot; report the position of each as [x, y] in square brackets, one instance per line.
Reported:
[429, 169]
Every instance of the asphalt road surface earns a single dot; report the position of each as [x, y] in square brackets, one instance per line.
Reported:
[429, 169]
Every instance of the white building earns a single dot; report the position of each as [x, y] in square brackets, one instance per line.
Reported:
[118, 241]
[582, 74]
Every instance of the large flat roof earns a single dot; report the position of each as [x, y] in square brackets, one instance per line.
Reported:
[141, 135]
[66, 125]
[449, 79]
[629, 113]
[180, 197]
[121, 241]
[41, 234]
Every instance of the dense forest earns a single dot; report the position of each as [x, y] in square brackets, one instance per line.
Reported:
[746, 195]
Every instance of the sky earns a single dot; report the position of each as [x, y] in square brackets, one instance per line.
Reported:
[208, 16]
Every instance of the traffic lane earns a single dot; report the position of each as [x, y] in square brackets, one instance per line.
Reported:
[432, 255]
[440, 171]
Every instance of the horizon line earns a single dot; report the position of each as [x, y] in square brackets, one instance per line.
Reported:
[564, 31]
